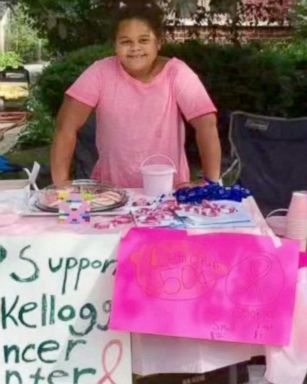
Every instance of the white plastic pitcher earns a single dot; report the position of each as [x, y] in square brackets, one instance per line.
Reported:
[158, 178]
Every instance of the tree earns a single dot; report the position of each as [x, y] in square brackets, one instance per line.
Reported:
[299, 18]
[71, 24]
[22, 36]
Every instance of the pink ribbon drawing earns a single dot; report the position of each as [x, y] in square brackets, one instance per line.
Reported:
[108, 372]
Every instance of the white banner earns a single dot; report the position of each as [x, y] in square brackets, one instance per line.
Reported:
[55, 302]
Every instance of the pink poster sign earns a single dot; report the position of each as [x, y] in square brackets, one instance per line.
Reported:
[222, 286]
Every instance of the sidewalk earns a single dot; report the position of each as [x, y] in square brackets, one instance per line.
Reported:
[9, 138]
[11, 123]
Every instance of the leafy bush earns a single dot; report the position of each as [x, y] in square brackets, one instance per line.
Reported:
[39, 128]
[268, 79]
[252, 77]
[10, 59]
[59, 75]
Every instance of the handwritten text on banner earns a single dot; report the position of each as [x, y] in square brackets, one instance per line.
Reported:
[55, 303]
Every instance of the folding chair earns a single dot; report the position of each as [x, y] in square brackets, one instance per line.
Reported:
[270, 157]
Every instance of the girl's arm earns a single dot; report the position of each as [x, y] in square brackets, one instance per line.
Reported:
[71, 117]
[208, 144]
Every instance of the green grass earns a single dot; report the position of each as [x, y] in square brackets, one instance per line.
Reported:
[26, 158]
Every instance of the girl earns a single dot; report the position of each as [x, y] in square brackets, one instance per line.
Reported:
[140, 100]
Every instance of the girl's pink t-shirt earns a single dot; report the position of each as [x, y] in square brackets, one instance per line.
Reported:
[136, 120]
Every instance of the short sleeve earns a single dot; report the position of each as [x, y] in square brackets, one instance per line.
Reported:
[191, 95]
[86, 88]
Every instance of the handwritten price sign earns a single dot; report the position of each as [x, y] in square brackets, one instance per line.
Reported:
[222, 286]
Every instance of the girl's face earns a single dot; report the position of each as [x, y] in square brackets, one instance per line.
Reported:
[137, 47]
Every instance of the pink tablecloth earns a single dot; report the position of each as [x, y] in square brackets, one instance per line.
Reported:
[160, 354]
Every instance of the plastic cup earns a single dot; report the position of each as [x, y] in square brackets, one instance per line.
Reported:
[296, 227]
[298, 206]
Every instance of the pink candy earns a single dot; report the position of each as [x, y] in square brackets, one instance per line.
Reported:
[115, 222]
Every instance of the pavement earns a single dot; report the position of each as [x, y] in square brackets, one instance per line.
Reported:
[9, 138]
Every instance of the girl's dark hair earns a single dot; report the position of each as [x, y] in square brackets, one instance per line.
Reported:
[147, 11]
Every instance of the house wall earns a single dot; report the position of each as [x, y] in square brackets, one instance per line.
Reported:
[221, 34]
[267, 25]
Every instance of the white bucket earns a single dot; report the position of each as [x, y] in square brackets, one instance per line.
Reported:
[158, 179]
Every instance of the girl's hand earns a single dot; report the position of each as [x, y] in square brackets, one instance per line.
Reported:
[191, 184]
[201, 182]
